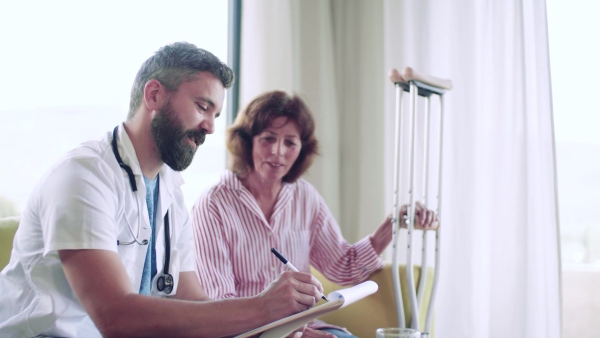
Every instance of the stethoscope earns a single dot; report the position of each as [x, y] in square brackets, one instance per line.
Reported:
[165, 282]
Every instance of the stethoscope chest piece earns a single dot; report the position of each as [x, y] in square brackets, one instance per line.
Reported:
[165, 283]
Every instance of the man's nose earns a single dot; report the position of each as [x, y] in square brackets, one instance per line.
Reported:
[208, 124]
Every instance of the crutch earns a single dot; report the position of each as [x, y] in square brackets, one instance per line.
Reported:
[425, 86]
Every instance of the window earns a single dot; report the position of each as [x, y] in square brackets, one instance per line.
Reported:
[67, 68]
[574, 56]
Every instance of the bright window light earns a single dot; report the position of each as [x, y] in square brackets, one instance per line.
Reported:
[67, 68]
[574, 55]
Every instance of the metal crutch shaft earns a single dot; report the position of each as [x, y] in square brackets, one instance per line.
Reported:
[424, 250]
[395, 220]
[436, 273]
[417, 85]
[410, 279]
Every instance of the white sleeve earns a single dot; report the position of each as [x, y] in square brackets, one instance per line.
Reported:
[78, 206]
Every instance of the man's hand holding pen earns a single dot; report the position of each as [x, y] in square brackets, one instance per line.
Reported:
[296, 292]
[291, 266]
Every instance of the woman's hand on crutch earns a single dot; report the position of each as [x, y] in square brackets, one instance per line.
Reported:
[426, 220]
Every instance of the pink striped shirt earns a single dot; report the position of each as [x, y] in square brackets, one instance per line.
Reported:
[234, 239]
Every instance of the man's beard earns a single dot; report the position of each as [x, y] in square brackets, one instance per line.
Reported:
[171, 139]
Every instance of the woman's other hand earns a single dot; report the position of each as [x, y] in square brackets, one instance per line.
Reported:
[425, 220]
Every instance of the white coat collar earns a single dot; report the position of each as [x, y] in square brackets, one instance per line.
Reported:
[170, 179]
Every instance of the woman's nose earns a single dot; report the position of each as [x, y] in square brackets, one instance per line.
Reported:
[278, 148]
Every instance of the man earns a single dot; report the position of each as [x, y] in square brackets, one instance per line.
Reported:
[105, 245]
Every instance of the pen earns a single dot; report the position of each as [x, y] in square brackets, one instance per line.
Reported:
[290, 265]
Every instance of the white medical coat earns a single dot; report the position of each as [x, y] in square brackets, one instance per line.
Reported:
[83, 203]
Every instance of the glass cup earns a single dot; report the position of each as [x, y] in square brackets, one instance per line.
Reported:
[394, 332]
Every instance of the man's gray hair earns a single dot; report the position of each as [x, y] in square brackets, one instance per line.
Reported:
[176, 63]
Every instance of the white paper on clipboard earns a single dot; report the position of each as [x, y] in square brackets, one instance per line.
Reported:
[357, 292]
[337, 300]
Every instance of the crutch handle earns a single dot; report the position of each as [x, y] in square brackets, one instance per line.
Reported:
[396, 77]
[409, 74]
[435, 225]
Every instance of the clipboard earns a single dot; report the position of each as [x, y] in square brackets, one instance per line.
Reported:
[338, 299]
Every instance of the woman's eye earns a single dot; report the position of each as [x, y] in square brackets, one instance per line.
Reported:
[290, 143]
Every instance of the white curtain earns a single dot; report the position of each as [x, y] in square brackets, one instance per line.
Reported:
[319, 50]
[500, 255]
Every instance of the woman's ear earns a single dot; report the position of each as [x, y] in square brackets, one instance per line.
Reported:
[155, 95]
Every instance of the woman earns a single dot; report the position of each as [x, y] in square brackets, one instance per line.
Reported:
[261, 203]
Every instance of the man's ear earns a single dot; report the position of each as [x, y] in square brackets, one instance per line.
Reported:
[155, 95]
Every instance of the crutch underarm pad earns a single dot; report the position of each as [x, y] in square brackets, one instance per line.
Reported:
[409, 74]
[396, 77]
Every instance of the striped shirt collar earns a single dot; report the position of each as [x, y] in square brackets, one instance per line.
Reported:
[231, 181]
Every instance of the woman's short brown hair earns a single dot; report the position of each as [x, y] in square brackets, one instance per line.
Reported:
[256, 117]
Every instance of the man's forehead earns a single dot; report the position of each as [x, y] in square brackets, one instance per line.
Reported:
[207, 76]
[207, 86]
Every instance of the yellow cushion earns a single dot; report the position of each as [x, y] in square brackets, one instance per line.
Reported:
[8, 227]
[378, 310]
